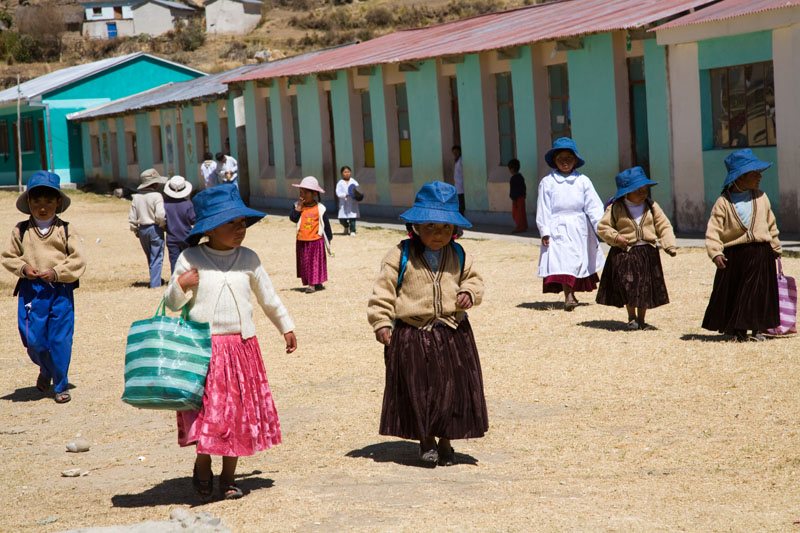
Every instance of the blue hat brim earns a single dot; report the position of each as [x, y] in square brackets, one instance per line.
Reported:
[548, 157]
[423, 215]
[633, 186]
[22, 200]
[736, 173]
[207, 224]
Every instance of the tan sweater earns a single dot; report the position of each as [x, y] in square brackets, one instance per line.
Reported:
[654, 225]
[44, 252]
[425, 296]
[726, 229]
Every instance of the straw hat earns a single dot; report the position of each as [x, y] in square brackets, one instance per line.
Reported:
[150, 177]
[310, 183]
[177, 187]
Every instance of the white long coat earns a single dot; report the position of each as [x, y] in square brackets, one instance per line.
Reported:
[568, 210]
[348, 207]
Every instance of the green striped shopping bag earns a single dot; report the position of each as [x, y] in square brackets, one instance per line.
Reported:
[166, 362]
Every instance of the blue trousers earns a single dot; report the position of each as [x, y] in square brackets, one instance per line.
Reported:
[46, 320]
[152, 239]
[175, 249]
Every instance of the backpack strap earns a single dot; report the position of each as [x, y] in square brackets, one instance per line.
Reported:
[406, 244]
[460, 253]
[23, 227]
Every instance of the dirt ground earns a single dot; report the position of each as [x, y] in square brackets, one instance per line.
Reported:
[592, 427]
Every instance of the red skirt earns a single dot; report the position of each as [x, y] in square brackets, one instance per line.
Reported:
[312, 264]
[238, 416]
[553, 283]
[519, 215]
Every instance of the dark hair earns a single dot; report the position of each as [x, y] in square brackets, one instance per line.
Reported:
[555, 154]
[43, 192]
[514, 165]
[456, 147]
[207, 156]
[220, 156]
[345, 167]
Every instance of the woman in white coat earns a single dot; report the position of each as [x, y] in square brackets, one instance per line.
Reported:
[567, 212]
[348, 206]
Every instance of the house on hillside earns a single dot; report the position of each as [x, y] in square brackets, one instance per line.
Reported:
[122, 18]
[232, 16]
[47, 141]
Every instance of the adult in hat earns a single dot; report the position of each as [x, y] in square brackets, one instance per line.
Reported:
[147, 220]
[180, 216]
[434, 385]
[742, 241]
[567, 212]
[313, 235]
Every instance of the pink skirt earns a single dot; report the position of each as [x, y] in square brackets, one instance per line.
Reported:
[238, 416]
[312, 264]
[553, 283]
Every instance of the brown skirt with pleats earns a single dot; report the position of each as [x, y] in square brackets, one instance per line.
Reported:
[633, 278]
[745, 294]
[434, 384]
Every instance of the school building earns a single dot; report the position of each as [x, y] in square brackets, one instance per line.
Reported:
[615, 76]
[47, 140]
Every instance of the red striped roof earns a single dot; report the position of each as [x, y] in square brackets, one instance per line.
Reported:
[541, 22]
[728, 9]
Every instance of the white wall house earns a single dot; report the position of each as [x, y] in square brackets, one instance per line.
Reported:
[106, 20]
[232, 16]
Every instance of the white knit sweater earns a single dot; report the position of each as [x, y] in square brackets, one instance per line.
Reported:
[222, 297]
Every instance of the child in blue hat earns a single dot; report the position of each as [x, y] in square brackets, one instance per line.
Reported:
[215, 280]
[434, 385]
[742, 241]
[632, 225]
[44, 255]
[567, 212]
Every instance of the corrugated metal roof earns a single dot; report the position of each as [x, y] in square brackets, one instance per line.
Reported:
[542, 22]
[172, 5]
[168, 94]
[36, 87]
[728, 9]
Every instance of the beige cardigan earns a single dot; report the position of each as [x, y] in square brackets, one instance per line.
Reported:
[425, 296]
[726, 229]
[617, 221]
[43, 252]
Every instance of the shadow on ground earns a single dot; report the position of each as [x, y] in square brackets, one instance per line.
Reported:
[705, 337]
[31, 394]
[402, 452]
[608, 325]
[179, 491]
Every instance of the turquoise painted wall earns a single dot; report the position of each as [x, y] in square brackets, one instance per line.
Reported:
[594, 110]
[87, 149]
[144, 142]
[212, 118]
[309, 114]
[230, 109]
[278, 141]
[380, 140]
[655, 75]
[122, 152]
[31, 161]
[254, 169]
[342, 128]
[169, 145]
[714, 171]
[735, 50]
[525, 121]
[191, 157]
[473, 139]
[426, 126]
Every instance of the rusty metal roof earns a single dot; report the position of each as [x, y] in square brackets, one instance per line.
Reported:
[541, 22]
[728, 9]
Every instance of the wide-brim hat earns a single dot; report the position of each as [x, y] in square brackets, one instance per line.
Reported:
[631, 179]
[150, 177]
[354, 193]
[436, 202]
[217, 206]
[42, 178]
[741, 162]
[177, 187]
[563, 143]
[310, 183]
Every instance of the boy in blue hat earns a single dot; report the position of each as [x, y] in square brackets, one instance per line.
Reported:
[742, 241]
[434, 385]
[43, 253]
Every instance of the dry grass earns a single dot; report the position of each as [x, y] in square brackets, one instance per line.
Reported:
[592, 427]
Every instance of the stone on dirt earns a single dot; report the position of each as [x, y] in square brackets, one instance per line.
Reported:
[180, 521]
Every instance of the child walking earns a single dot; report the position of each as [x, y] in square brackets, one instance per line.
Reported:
[215, 280]
[313, 235]
[742, 241]
[518, 193]
[567, 212]
[434, 385]
[631, 225]
[43, 253]
[348, 206]
[180, 216]
[147, 220]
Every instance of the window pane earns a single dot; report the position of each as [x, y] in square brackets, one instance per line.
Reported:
[503, 87]
[769, 99]
[636, 69]
[366, 116]
[756, 112]
[4, 144]
[719, 111]
[504, 119]
[737, 109]
[270, 133]
[298, 159]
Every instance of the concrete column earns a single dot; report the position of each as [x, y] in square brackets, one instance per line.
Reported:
[280, 115]
[105, 150]
[344, 103]
[525, 95]
[251, 110]
[786, 63]
[380, 139]
[655, 75]
[87, 150]
[425, 123]
[472, 77]
[212, 119]
[312, 123]
[122, 150]
[144, 143]
[191, 157]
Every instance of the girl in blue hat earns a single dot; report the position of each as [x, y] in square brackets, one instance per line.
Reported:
[434, 385]
[742, 241]
[44, 254]
[215, 280]
[567, 212]
[632, 224]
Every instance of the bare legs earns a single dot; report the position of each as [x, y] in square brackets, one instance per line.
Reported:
[570, 302]
[636, 317]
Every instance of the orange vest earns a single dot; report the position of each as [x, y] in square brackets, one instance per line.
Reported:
[309, 224]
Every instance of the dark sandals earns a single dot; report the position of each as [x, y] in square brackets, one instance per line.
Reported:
[229, 491]
[202, 487]
[62, 397]
[447, 458]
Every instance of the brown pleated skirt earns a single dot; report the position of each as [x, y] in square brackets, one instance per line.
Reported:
[745, 294]
[434, 385]
[633, 278]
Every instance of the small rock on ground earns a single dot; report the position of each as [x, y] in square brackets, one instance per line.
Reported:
[180, 521]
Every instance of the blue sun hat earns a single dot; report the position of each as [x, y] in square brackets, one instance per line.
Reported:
[741, 162]
[563, 143]
[42, 178]
[216, 206]
[631, 179]
[436, 202]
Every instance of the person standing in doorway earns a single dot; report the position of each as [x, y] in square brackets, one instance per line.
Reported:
[227, 169]
[458, 178]
[208, 171]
